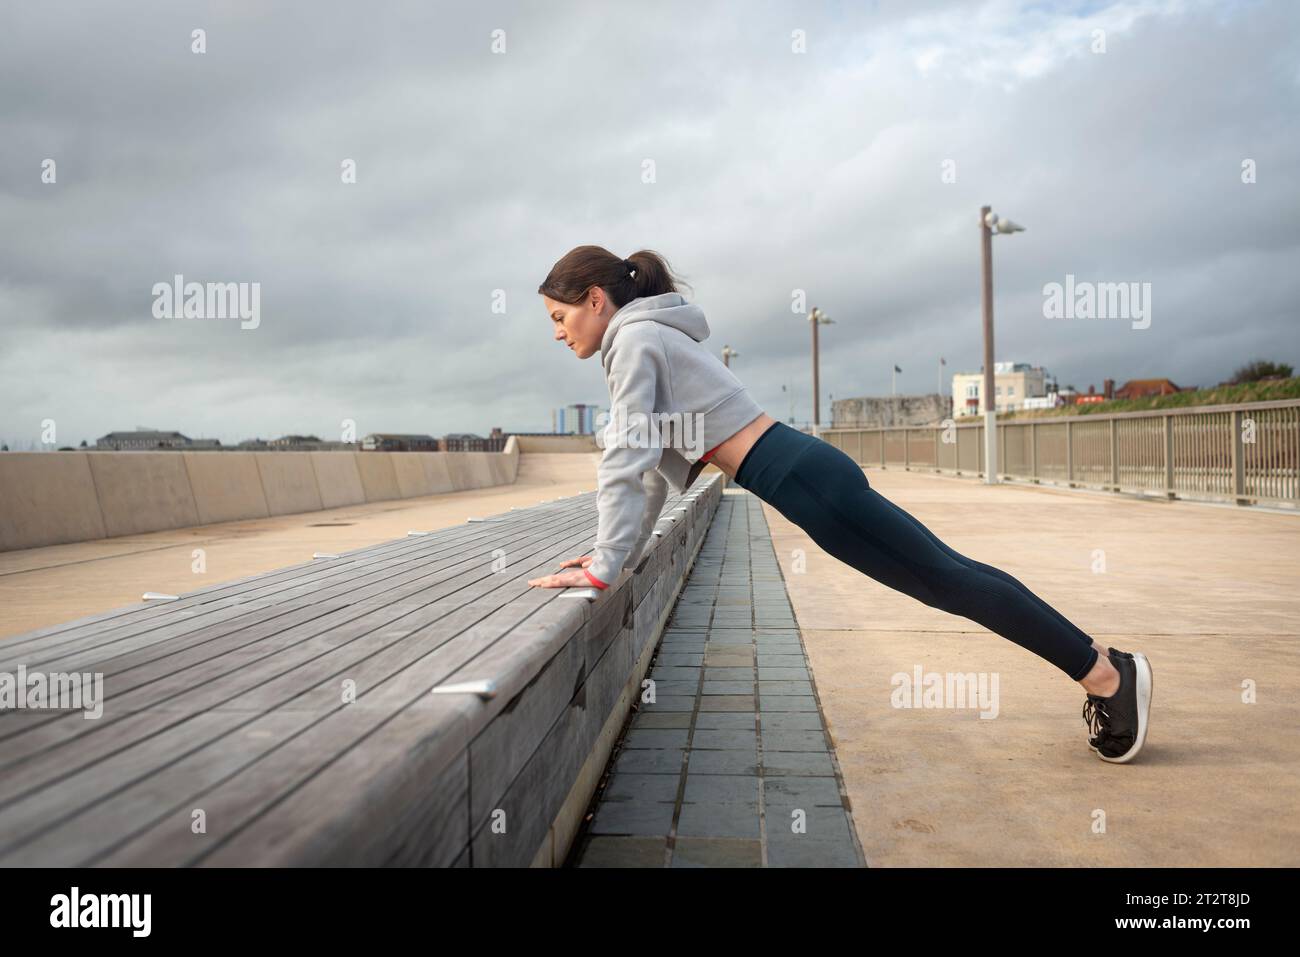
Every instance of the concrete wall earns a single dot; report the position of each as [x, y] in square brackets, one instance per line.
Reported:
[557, 443]
[889, 412]
[51, 498]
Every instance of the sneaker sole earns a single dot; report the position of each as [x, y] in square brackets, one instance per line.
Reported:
[1142, 670]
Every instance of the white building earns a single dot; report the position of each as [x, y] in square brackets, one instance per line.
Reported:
[1013, 383]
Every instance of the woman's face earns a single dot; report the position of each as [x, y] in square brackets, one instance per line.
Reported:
[581, 326]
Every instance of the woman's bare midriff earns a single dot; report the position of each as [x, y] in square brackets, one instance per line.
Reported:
[732, 452]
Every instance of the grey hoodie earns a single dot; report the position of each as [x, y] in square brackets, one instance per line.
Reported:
[671, 400]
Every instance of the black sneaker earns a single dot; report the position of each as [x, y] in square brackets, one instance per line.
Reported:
[1119, 723]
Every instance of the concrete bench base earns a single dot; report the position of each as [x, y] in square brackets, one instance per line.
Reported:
[559, 840]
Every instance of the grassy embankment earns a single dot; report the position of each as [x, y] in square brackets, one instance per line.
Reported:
[1222, 395]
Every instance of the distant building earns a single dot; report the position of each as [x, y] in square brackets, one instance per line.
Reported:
[469, 442]
[1071, 396]
[294, 443]
[150, 440]
[575, 420]
[1013, 382]
[1140, 388]
[399, 442]
[297, 443]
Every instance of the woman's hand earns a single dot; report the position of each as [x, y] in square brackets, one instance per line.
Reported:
[564, 579]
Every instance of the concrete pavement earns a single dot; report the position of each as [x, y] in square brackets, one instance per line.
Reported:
[1208, 593]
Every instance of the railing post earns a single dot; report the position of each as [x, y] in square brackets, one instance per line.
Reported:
[907, 450]
[1238, 455]
[936, 448]
[859, 458]
[1169, 457]
[1069, 453]
[1114, 457]
[882, 448]
[1295, 462]
[1033, 451]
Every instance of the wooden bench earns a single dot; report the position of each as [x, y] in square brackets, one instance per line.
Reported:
[227, 737]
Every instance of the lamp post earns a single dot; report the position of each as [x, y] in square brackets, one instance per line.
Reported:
[989, 224]
[817, 318]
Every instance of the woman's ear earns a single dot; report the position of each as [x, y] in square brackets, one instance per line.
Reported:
[600, 301]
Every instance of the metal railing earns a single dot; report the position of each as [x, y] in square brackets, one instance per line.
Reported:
[1246, 453]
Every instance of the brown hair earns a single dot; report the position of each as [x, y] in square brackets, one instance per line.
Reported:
[585, 266]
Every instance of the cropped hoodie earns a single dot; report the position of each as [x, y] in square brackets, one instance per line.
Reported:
[672, 402]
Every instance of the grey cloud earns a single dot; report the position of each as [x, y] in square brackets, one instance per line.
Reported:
[476, 172]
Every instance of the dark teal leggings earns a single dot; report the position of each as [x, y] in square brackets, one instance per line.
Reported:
[823, 491]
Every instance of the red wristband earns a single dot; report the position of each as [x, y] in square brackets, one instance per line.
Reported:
[594, 580]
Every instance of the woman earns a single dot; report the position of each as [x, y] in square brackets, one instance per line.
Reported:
[650, 340]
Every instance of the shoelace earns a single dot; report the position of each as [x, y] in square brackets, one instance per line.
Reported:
[1094, 712]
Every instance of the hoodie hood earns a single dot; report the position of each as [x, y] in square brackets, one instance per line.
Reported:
[670, 308]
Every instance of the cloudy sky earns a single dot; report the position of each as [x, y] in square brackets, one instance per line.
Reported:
[795, 146]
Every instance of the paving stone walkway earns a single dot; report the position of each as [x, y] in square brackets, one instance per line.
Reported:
[730, 765]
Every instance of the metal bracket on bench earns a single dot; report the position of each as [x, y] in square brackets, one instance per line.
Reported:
[485, 688]
[588, 593]
[157, 596]
[323, 555]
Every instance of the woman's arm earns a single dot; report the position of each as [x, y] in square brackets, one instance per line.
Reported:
[632, 447]
[656, 493]
[656, 487]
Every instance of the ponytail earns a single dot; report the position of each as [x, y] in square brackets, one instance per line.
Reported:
[644, 273]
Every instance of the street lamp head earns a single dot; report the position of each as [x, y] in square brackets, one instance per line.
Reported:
[998, 225]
